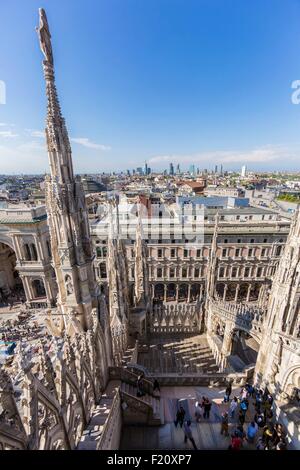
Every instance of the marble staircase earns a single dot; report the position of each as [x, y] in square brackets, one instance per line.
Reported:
[149, 405]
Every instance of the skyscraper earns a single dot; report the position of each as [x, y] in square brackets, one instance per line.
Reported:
[192, 169]
[171, 170]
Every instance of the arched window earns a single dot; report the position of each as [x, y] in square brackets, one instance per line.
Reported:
[34, 252]
[27, 252]
[48, 248]
[38, 288]
[103, 274]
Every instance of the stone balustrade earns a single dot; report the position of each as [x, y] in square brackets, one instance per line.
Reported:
[244, 316]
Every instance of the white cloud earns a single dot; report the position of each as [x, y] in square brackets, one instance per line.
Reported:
[2, 124]
[89, 144]
[35, 133]
[8, 134]
[31, 146]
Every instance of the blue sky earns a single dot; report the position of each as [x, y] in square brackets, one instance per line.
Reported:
[189, 81]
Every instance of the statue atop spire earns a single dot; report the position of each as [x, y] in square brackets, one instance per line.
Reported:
[45, 37]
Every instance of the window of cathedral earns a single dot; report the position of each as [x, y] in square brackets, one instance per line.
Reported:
[247, 272]
[48, 248]
[259, 272]
[103, 274]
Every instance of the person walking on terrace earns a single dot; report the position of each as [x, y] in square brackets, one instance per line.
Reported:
[188, 434]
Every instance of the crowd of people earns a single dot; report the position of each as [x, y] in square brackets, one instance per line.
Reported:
[24, 327]
[248, 419]
[254, 426]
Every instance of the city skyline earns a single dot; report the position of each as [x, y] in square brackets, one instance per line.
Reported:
[134, 90]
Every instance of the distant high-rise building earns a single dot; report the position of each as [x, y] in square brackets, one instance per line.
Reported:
[216, 169]
[171, 170]
[244, 171]
[146, 169]
[221, 170]
[178, 169]
[192, 169]
[139, 170]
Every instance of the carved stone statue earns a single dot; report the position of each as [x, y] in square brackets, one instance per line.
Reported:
[45, 37]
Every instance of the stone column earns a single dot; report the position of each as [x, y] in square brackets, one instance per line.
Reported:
[189, 293]
[165, 292]
[225, 292]
[248, 293]
[18, 251]
[48, 291]
[177, 292]
[38, 248]
[27, 288]
[201, 291]
[152, 291]
[237, 292]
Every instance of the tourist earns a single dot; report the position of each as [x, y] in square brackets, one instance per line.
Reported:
[180, 416]
[241, 417]
[251, 432]
[259, 418]
[282, 444]
[236, 442]
[224, 424]
[139, 386]
[233, 407]
[156, 387]
[278, 433]
[207, 408]
[260, 444]
[198, 411]
[267, 435]
[244, 406]
[227, 393]
[244, 393]
[188, 434]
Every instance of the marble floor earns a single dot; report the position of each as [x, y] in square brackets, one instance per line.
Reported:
[206, 433]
